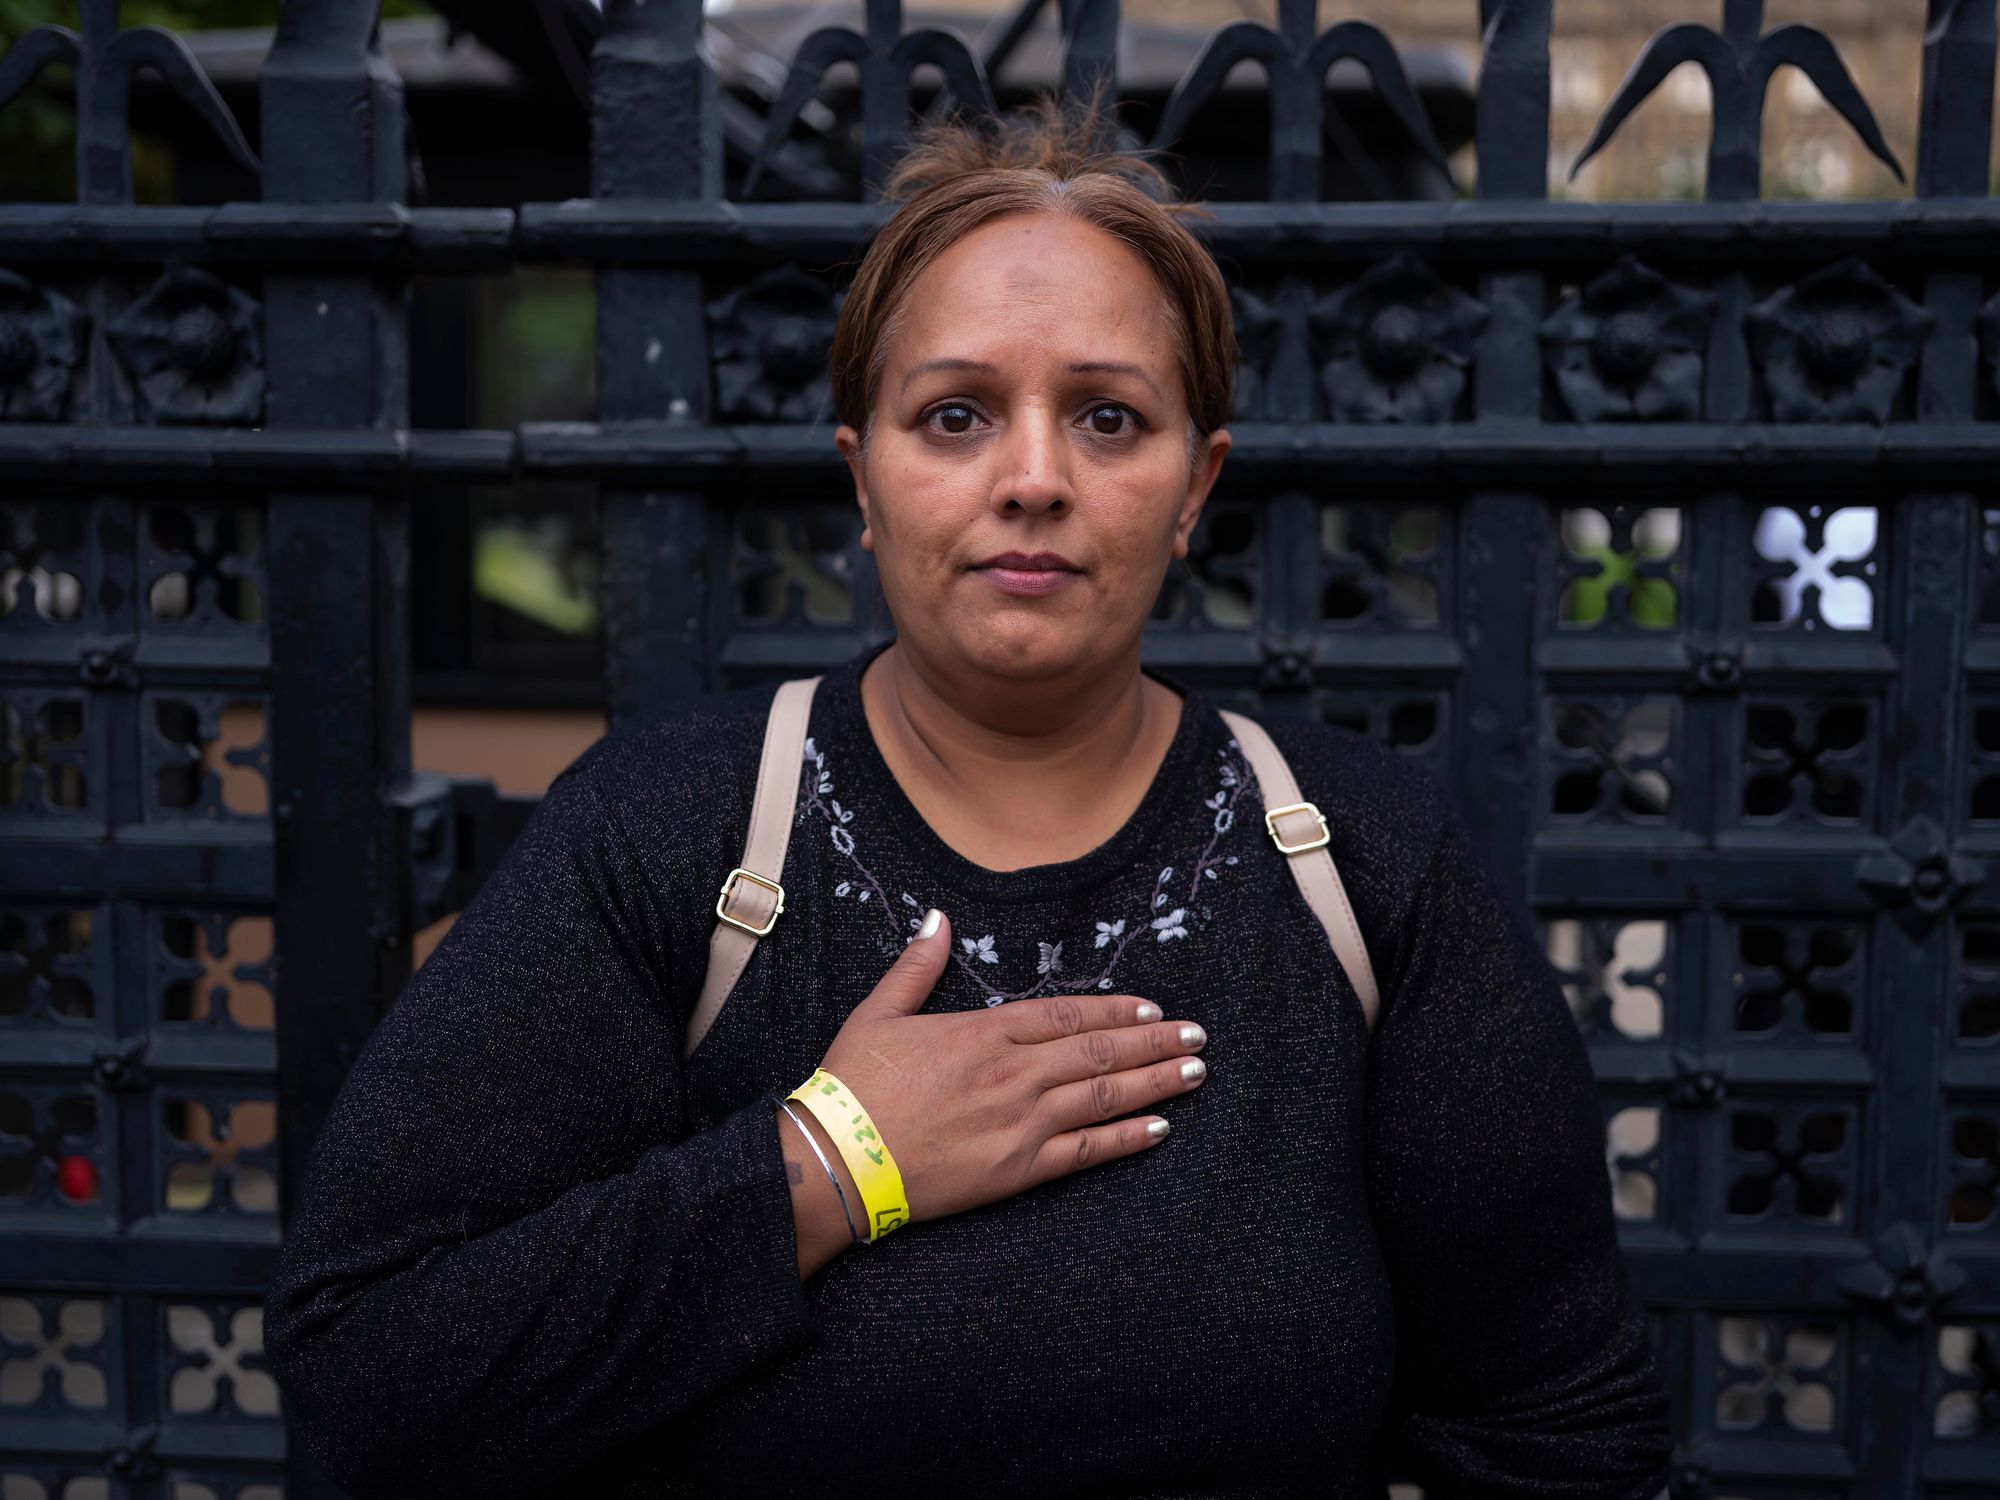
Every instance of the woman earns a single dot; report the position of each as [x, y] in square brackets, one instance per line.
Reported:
[1178, 1224]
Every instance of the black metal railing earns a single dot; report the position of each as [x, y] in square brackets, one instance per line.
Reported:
[1664, 534]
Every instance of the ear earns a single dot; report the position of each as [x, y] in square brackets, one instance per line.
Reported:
[1201, 479]
[848, 441]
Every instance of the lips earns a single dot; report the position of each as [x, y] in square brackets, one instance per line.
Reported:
[1028, 573]
[1031, 562]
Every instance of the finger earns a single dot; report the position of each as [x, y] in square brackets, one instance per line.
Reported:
[1112, 1050]
[911, 978]
[1076, 1149]
[1049, 1018]
[1072, 1105]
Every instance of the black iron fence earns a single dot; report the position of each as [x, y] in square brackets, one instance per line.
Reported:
[1666, 535]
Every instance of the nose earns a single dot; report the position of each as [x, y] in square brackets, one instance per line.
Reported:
[1033, 474]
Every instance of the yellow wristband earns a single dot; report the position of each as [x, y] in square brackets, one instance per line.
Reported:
[866, 1153]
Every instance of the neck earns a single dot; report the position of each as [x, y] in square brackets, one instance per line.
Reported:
[1044, 760]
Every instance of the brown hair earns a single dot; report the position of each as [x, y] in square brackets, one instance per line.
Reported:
[961, 175]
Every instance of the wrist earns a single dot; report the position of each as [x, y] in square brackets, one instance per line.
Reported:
[821, 1225]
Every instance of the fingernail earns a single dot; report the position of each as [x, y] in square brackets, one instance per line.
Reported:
[931, 920]
[1192, 1035]
[1158, 1129]
[1193, 1069]
[1149, 1011]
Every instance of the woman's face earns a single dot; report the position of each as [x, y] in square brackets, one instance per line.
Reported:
[1031, 404]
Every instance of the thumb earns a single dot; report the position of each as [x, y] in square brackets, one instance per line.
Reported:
[911, 978]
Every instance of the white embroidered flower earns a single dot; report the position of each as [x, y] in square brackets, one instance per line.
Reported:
[812, 753]
[843, 888]
[912, 902]
[1166, 874]
[1230, 861]
[1208, 874]
[1217, 800]
[1104, 983]
[1228, 776]
[981, 949]
[1172, 925]
[1224, 819]
[844, 814]
[863, 896]
[1106, 931]
[842, 839]
[1050, 961]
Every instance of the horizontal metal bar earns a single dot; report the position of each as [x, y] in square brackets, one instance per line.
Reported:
[362, 236]
[1728, 1269]
[1762, 1071]
[150, 865]
[83, 1442]
[1486, 233]
[1974, 1075]
[76, 458]
[1641, 869]
[1662, 459]
[144, 1258]
[1667, 659]
[53, 658]
[679, 234]
[169, 1055]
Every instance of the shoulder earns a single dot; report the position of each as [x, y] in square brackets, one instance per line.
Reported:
[696, 753]
[1358, 780]
[1386, 814]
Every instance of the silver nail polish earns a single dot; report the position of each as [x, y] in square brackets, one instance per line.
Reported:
[1193, 1069]
[1192, 1035]
[1149, 1011]
[1158, 1129]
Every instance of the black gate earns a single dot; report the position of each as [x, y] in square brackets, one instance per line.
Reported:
[1659, 532]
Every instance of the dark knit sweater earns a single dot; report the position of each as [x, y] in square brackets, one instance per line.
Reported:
[535, 1251]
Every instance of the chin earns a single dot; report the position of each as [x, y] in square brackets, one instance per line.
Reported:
[1026, 650]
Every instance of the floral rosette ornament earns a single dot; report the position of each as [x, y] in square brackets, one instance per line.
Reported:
[1399, 342]
[194, 348]
[41, 340]
[771, 338]
[1836, 347]
[1630, 347]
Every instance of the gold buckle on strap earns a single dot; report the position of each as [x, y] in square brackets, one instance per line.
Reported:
[1272, 815]
[728, 888]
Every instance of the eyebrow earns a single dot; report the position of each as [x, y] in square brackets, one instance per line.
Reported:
[1081, 367]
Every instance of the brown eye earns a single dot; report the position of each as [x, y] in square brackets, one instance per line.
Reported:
[953, 418]
[1108, 421]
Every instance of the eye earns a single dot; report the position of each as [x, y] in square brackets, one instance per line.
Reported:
[1109, 419]
[953, 418]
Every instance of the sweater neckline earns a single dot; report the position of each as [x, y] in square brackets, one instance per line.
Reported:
[1117, 855]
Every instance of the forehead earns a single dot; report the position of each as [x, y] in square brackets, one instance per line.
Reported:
[1042, 284]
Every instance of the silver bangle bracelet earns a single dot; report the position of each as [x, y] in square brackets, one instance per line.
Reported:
[830, 1174]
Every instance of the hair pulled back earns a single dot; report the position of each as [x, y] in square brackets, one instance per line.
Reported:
[963, 174]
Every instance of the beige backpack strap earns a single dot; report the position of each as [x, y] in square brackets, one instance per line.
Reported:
[752, 896]
[1299, 830]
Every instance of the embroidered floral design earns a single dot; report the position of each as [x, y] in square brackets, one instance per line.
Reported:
[1050, 979]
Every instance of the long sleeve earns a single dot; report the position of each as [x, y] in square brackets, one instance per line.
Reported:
[503, 1264]
[1523, 1369]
